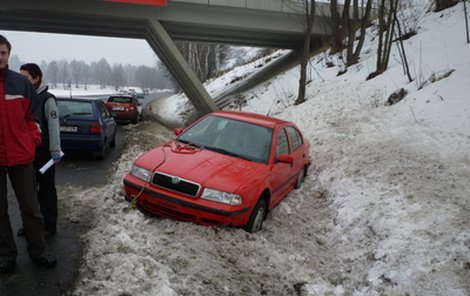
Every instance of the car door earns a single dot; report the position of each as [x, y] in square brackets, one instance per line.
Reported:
[297, 150]
[109, 125]
[281, 172]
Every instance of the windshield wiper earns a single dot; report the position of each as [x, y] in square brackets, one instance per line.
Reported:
[223, 151]
[190, 143]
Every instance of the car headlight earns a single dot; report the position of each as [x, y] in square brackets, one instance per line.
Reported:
[140, 173]
[220, 196]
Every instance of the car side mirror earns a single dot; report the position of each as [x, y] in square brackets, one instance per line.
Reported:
[285, 159]
[177, 131]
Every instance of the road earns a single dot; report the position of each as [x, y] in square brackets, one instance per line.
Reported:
[74, 171]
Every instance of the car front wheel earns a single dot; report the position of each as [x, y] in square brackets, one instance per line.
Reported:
[257, 217]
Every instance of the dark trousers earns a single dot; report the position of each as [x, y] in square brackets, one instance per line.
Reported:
[23, 180]
[47, 193]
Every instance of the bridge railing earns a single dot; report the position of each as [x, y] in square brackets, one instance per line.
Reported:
[289, 6]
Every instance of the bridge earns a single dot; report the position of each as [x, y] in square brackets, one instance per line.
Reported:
[261, 23]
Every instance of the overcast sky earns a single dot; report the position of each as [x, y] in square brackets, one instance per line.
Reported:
[36, 47]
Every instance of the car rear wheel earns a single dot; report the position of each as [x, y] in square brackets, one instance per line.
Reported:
[300, 178]
[257, 217]
[100, 154]
[112, 144]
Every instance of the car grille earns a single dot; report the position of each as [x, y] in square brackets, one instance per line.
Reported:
[176, 184]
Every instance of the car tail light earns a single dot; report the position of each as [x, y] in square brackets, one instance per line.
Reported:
[131, 108]
[95, 127]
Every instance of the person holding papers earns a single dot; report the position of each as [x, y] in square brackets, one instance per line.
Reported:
[49, 149]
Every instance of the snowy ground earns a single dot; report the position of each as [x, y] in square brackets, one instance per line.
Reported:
[384, 211]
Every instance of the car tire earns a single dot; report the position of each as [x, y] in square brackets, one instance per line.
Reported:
[134, 121]
[102, 152]
[112, 143]
[300, 178]
[255, 223]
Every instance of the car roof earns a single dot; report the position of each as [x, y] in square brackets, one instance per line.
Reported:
[258, 119]
[78, 99]
[121, 96]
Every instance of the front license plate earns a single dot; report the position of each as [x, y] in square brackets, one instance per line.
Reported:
[71, 129]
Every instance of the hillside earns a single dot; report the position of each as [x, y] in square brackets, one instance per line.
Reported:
[384, 210]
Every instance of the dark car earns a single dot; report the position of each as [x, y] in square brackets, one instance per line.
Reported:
[125, 107]
[86, 125]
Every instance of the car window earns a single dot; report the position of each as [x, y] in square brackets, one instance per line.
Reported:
[295, 137]
[103, 111]
[75, 109]
[282, 143]
[127, 100]
[233, 137]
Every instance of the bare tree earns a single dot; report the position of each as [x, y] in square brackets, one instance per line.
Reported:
[360, 20]
[387, 16]
[304, 59]
[466, 20]
[63, 67]
[102, 70]
[117, 76]
[53, 73]
[76, 70]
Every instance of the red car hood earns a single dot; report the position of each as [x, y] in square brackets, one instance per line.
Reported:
[208, 168]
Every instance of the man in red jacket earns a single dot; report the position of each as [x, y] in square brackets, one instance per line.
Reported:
[19, 137]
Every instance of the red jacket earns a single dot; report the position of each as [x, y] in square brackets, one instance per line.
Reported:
[19, 130]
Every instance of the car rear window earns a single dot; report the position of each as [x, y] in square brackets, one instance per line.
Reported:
[75, 109]
[120, 100]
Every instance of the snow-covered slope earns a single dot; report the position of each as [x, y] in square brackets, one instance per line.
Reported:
[384, 211]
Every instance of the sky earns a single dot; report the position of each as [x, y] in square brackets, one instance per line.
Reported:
[383, 211]
[79, 47]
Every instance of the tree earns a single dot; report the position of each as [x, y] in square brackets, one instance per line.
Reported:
[103, 69]
[63, 72]
[146, 77]
[387, 17]
[305, 57]
[76, 70]
[353, 54]
[53, 73]
[117, 76]
[204, 58]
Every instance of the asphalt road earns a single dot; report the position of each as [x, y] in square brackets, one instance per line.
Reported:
[73, 170]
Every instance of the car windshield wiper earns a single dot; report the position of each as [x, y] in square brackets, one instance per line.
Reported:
[190, 143]
[223, 151]
[77, 113]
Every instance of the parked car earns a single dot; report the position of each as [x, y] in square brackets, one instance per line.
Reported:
[86, 125]
[228, 168]
[125, 107]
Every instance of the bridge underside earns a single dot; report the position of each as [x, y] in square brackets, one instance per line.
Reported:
[158, 26]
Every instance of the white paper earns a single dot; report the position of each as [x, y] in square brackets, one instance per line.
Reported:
[48, 164]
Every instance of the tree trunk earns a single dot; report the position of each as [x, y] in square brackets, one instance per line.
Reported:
[309, 18]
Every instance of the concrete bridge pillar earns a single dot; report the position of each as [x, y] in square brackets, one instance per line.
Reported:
[165, 48]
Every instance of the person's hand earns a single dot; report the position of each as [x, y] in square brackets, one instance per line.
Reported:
[56, 156]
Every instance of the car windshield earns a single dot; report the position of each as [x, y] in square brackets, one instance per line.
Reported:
[75, 109]
[232, 137]
[120, 100]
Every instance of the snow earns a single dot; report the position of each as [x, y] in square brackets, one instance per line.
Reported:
[384, 210]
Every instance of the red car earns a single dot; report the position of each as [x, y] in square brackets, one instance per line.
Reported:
[228, 168]
[124, 107]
